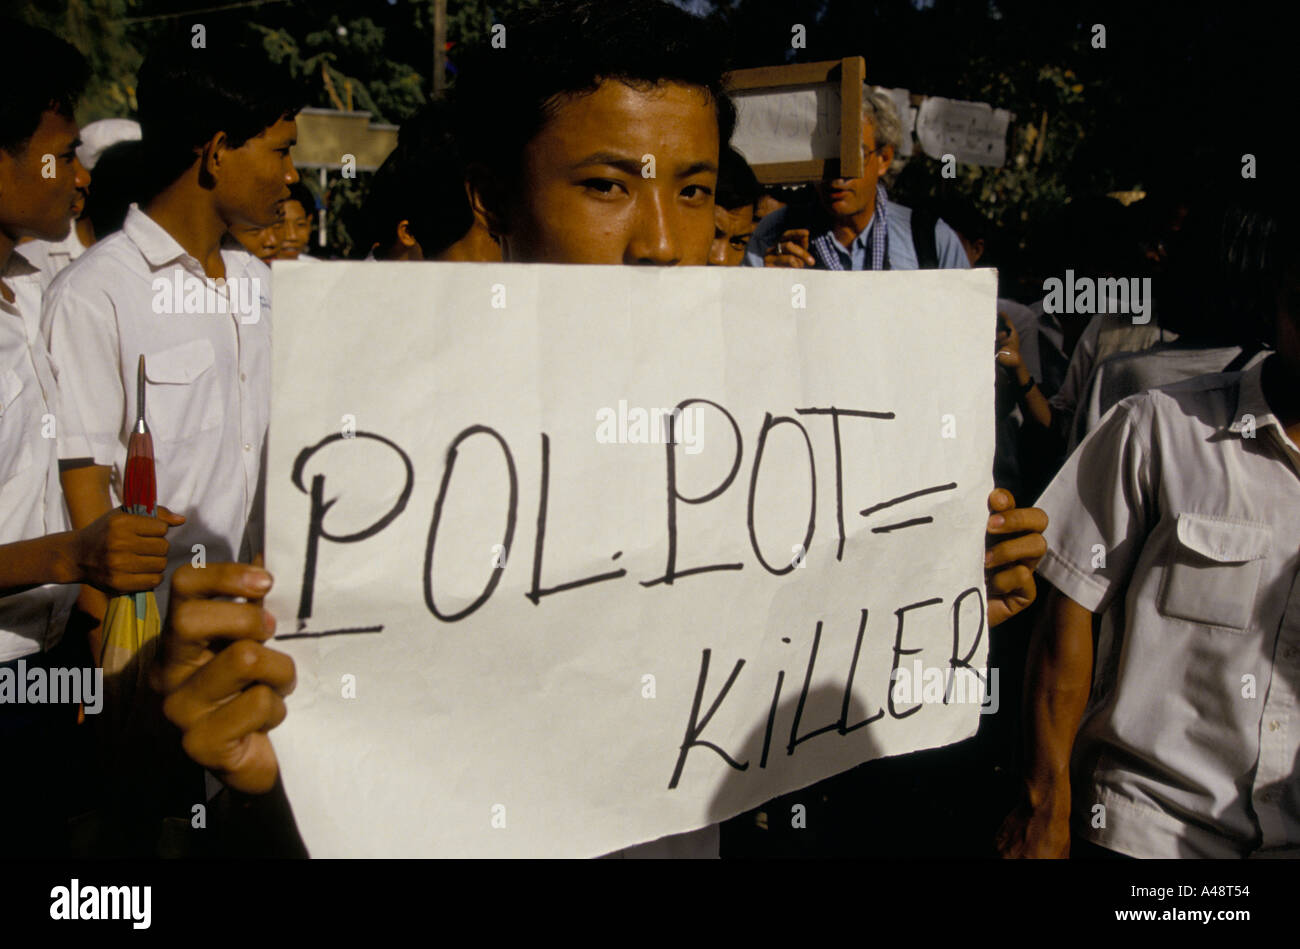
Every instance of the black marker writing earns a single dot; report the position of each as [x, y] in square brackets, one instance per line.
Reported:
[319, 507]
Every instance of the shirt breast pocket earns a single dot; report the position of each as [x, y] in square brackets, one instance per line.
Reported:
[15, 439]
[1214, 570]
[184, 394]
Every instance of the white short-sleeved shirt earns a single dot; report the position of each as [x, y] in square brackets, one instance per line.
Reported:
[208, 364]
[1178, 521]
[31, 502]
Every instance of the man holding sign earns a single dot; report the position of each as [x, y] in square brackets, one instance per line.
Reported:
[610, 159]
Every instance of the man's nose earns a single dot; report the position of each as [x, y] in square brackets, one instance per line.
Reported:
[80, 176]
[655, 240]
[718, 252]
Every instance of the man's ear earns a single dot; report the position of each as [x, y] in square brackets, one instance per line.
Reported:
[411, 249]
[886, 159]
[212, 158]
[487, 200]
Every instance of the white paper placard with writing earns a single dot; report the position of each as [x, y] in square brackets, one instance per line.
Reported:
[536, 611]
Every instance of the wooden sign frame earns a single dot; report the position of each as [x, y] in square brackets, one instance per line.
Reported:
[849, 74]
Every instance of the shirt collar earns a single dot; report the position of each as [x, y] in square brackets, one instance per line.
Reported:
[1250, 400]
[861, 242]
[18, 266]
[158, 247]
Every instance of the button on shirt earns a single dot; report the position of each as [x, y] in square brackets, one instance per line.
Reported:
[31, 503]
[902, 255]
[1178, 520]
[207, 348]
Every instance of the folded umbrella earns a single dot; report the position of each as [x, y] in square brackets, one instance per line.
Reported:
[132, 623]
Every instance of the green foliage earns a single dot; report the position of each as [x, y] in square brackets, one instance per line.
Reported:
[99, 29]
[1055, 113]
[350, 53]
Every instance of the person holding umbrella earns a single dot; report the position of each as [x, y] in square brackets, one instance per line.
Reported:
[41, 559]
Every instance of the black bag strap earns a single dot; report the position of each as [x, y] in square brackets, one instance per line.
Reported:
[924, 241]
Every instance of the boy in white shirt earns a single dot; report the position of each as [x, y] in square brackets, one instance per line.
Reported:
[217, 127]
[1176, 523]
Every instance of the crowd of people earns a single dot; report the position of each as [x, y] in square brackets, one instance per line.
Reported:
[1156, 581]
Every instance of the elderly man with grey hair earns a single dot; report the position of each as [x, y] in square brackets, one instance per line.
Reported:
[854, 226]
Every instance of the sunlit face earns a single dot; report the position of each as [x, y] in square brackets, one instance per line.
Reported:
[261, 242]
[294, 231]
[34, 202]
[731, 233]
[588, 195]
[846, 197]
[253, 180]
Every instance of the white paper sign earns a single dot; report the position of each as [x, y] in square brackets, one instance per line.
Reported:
[525, 625]
[787, 126]
[973, 132]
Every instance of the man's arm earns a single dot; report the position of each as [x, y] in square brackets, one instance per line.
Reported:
[80, 330]
[1035, 404]
[122, 552]
[1058, 681]
[86, 491]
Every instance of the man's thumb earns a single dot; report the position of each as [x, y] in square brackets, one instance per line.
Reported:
[169, 517]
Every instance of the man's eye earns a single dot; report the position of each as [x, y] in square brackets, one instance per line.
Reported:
[601, 185]
[696, 192]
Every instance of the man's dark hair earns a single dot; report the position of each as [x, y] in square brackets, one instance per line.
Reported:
[188, 95]
[302, 194]
[567, 48]
[962, 216]
[117, 183]
[423, 183]
[737, 186]
[44, 74]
